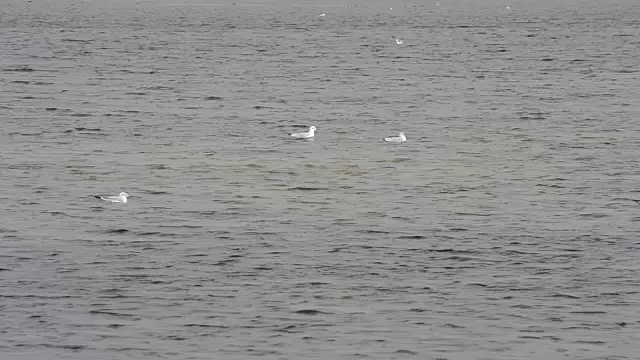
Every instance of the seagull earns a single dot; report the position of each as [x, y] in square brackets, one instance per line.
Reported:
[321, 14]
[399, 42]
[396, 139]
[305, 135]
[122, 198]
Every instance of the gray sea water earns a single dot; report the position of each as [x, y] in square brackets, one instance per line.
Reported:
[502, 229]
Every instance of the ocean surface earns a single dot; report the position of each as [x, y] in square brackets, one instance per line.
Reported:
[504, 228]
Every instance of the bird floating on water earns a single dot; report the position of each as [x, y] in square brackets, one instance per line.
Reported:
[396, 139]
[399, 42]
[305, 135]
[321, 14]
[122, 198]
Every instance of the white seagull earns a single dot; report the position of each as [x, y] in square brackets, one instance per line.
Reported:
[399, 42]
[396, 139]
[122, 198]
[321, 14]
[305, 135]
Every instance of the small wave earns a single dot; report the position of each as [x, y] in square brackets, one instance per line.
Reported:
[568, 296]
[26, 134]
[307, 188]
[54, 346]
[405, 351]
[156, 192]
[111, 313]
[456, 229]
[591, 342]
[49, 297]
[58, 213]
[23, 68]
[224, 262]
[471, 214]
[453, 326]
[182, 226]
[551, 186]
[313, 283]
[77, 40]
[624, 71]
[116, 231]
[368, 231]
[454, 251]
[288, 329]
[207, 326]
[593, 215]
[201, 212]
[310, 312]
[159, 234]
[157, 88]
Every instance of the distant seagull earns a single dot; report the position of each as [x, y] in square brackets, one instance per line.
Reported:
[508, 7]
[396, 139]
[305, 135]
[399, 42]
[122, 198]
[321, 14]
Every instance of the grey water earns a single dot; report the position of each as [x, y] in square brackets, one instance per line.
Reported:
[503, 228]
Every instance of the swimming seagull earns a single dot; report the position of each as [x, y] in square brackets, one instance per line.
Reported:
[321, 14]
[122, 198]
[399, 42]
[305, 135]
[396, 139]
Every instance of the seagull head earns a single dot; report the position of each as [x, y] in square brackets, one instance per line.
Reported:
[313, 128]
[124, 195]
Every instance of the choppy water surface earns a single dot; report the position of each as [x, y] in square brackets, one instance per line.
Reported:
[502, 229]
